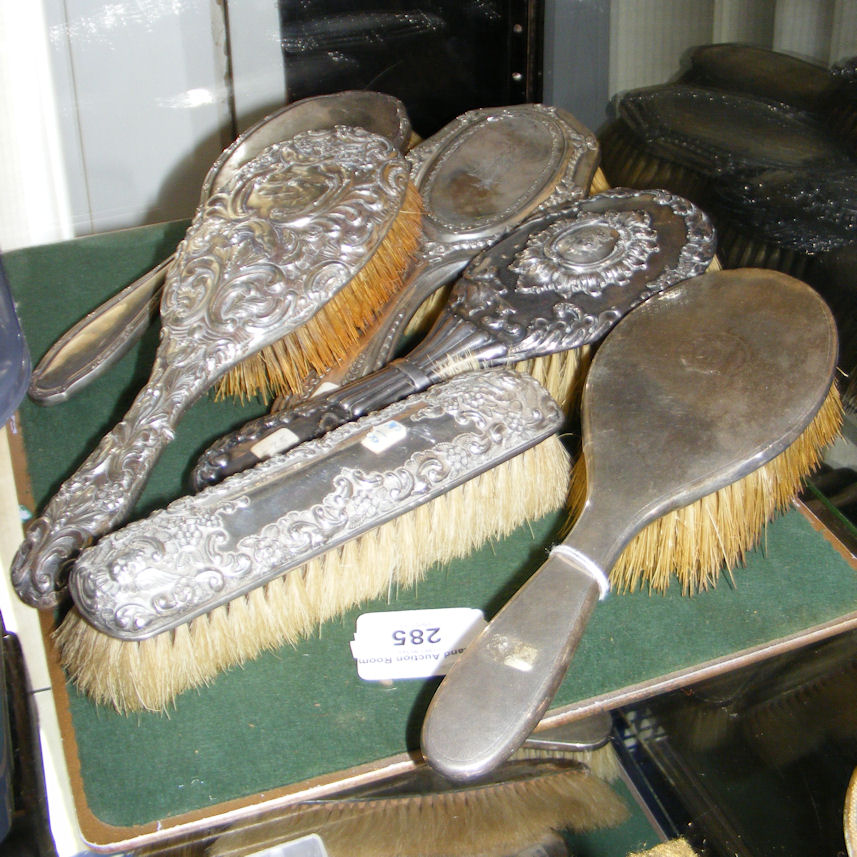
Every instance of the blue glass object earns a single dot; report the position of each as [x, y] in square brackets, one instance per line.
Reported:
[15, 365]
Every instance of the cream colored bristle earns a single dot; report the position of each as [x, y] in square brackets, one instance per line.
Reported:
[702, 726]
[322, 342]
[427, 312]
[599, 182]
[492, 820]
[790, 723]
[150, 673]
[671, 848]
[561, 374]
[693, 543]
[784, 729]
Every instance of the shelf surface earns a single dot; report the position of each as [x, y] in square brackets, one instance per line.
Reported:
[300, 721]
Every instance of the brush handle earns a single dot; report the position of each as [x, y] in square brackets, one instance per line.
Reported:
[280, 431]
[104, 489]
[449, 339]
[497, 692]
[98, 340]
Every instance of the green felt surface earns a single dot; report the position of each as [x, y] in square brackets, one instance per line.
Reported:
[303, 712]
[54, 286]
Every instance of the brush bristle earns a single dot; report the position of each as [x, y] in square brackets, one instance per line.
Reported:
[599, 182]
[603, 762]
[150, 673]
[671, 848]
[793, 722]
[322, 342]
[692, 544]
[493, 820]
[740, 250]
[561, 374]
[782, 730]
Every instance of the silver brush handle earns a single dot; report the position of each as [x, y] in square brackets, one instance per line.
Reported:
[498, 691]
[206, 549]
[101, 493]
[98, 340]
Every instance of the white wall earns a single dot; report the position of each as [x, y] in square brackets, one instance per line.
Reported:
[144, 105]
[34, 205]
[648, 38]
[134, 100]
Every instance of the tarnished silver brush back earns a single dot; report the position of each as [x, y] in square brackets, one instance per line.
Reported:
[694, 390]
[559, 281]
[261, 257]
[205, 550]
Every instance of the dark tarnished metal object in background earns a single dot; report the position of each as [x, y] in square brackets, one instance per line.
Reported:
[753, 70]
[680, 137]
[782, 219]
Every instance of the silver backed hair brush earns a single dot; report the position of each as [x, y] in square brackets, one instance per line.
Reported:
[284, 241]
[718, 390]
[559, 281]
[206, 549]
[104, 335]
[370, 506]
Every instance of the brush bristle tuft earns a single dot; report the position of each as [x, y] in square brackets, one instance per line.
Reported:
[492, 820]
[603, 762]
[562, 374]
[148, 674]
[322, 342]
[628, 162]
[692, 544]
